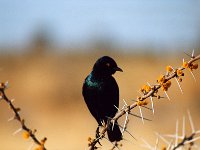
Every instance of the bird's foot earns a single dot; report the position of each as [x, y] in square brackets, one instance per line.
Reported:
[98, 136]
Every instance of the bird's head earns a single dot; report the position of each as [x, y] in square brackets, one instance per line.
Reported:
[106, 66]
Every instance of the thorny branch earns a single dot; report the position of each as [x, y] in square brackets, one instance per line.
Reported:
[177, 140]
[182, 143]
[151, 92]
[28, 132]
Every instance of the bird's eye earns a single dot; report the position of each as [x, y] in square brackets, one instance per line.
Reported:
[107, 64]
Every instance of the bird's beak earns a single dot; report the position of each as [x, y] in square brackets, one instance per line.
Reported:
[118, 69]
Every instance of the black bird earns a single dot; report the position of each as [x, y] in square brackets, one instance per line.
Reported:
[101, 94]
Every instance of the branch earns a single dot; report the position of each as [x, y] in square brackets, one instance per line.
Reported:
[182, 143]
[177, 141]
[28, 132]
[151, 91]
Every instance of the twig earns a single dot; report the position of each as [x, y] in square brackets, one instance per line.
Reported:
[17, 117]
[152, 92]
[182, 141]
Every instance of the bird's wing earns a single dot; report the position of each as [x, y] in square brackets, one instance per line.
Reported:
[109, 97]
[101, 100]
[91, 97]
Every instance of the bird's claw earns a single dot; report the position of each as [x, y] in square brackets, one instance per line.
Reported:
[98, 137]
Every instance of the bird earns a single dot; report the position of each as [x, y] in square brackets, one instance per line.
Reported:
[101, 94]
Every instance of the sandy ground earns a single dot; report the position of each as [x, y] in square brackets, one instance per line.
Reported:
[48, 90]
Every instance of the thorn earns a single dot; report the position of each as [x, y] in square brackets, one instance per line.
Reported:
[146, 107]
[130, 134]
[141, 114]
[149, 84]
[193, 140]
[134, 100]
[173, 136]
[193, 53]
[125, 102]
[176, 138]
[140, 93]
[147, 144]
[31, 146]
[6, 84]
[196, 146]
[103, 121]
[183, 129]
[193, 76]
[151, 98]
[178, 82]
[113, 123]
[17, 131]
[179, 85]
[170, 145]
[162, 138]
[156, 146]
[123, 107]
[167, 95]
[125, 123]
[114, 144]
[197, 132]
[187, 54]
[108, 118]
[191, 122]
[11, 119]
[129, 141]
[12, 100]
[126, 131]
[116, 108]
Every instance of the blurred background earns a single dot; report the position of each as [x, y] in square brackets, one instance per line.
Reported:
[47, 48]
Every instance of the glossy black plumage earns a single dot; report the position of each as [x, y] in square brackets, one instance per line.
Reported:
[101, 94]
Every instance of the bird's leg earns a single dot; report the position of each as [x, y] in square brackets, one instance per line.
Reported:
[98, 134]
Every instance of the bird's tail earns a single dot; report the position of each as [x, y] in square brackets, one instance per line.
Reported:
[114, 133]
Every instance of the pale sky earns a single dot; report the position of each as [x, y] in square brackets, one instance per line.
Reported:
[169, 23]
